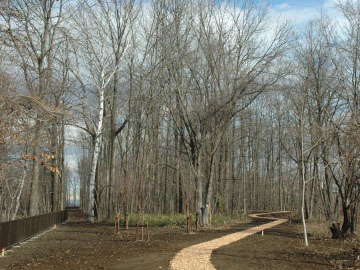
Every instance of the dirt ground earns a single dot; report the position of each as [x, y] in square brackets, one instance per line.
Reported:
[282, 247]
[81, 245]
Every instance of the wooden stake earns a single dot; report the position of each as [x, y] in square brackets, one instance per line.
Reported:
[148, 230]
[3, 252]
[187, 224]
[143, 219]
[137, 232]
[210, 214]
[138, 218]
[196, 200]
[126, 213]
[117, 224]
[197, 213]
[187, 215]
[197, 220]
[262, 233]
[190, 222]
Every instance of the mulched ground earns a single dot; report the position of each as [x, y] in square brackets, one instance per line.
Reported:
[81, 245]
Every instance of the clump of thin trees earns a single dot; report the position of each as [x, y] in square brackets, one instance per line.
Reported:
[220, 107]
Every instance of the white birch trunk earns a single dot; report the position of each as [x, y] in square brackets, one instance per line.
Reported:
[92, 187]
[306, 243]
[18, 197]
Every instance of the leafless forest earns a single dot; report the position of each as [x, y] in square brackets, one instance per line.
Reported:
[177, 105]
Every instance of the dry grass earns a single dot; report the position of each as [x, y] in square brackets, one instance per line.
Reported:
[318, 229]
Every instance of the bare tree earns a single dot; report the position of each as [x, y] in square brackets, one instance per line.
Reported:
[95, 68]
[32, 32]
[209, 88]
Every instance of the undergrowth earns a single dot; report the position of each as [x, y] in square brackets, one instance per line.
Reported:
[178, 220]
[318, 229]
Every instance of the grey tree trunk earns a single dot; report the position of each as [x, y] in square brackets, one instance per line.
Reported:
[209, 192]
[34, 195]
[54, 174]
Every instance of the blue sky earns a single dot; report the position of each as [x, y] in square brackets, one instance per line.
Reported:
[301, 11]
[304, 3]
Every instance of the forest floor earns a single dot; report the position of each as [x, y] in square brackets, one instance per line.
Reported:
[81, 245]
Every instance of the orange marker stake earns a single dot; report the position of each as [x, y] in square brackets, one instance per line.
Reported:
[3, 252]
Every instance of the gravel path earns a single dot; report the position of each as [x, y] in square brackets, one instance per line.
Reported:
[198, 256]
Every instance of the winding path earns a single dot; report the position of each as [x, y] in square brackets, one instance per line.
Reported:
[198, 256]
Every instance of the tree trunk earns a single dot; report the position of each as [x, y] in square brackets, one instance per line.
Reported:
[54, 175]
[353, 217]
[34, 195]
[209, 191]
[347, 219]
[199, 189]
[95, 157]
[18, 196]
[303, 176]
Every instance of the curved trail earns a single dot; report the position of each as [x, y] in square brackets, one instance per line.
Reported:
[198, 256]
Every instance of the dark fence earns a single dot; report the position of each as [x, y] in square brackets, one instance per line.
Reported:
[15, 231]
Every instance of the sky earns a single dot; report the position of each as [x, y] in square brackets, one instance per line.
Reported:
[301, 11]
[297, 2]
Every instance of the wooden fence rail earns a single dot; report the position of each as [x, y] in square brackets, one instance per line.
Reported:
[15, 231]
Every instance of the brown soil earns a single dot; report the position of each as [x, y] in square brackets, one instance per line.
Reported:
[81, 245]
[282, 247]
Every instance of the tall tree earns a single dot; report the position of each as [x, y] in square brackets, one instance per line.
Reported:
[32, 29]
